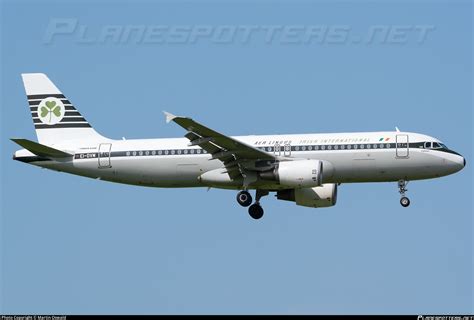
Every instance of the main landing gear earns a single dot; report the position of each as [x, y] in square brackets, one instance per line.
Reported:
[402, 187]
[245, 199]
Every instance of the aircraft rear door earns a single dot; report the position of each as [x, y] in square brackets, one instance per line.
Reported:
[104, 155]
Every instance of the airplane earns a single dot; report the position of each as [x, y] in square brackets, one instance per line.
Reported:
[303, 168]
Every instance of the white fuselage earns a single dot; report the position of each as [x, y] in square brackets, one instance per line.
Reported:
[348, 157]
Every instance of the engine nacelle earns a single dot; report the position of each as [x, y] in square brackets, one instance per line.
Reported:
[318, 197]
[296, 174]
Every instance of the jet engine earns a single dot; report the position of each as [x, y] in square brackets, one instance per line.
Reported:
[317, 197]
[296, 174]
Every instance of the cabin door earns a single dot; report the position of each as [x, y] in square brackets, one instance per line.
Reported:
[104, 155]
[402, 146]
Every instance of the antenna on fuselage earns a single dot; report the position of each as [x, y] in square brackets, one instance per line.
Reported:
[396, 128]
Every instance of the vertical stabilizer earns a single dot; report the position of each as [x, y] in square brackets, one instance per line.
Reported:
[55, 118]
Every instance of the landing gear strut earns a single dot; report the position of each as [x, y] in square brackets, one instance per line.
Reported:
[244, 198]
[402, 187]
[256, 210]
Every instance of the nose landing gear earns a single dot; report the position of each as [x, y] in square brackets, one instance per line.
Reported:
[404, 201]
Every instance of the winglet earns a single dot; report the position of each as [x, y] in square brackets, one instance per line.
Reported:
[169, 116]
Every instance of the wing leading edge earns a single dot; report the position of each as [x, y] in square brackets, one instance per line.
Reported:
[233, 153]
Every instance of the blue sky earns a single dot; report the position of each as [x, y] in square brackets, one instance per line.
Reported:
[75, 245]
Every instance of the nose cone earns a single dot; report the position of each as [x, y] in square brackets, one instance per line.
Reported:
[453, 162]
[459, 163]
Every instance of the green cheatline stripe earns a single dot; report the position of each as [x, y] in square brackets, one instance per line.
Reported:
[381, 139]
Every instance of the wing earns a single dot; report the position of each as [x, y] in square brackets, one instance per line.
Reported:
[233, 153]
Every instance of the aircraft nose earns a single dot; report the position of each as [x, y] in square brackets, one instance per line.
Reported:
[460, 163]
[456, 162]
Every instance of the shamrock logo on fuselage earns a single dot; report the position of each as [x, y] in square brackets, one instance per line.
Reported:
[50, 109]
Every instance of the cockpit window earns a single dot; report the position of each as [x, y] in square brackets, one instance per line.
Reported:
[435, 145]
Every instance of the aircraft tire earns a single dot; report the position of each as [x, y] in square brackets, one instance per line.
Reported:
[244, 198]
[405, 202]
[256, 211]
